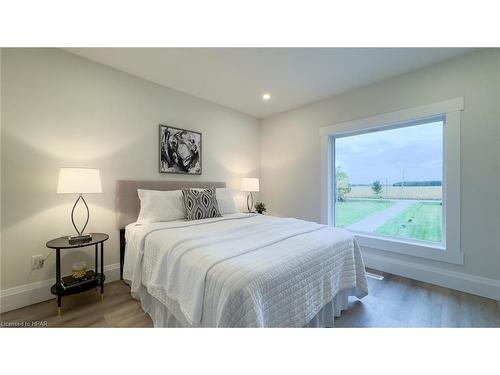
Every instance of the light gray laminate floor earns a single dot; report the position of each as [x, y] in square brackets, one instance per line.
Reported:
[401, 302]
[393, 302]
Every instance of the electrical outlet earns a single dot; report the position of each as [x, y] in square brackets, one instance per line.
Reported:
[36, 262]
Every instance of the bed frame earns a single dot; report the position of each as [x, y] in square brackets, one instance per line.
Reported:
[128, 205]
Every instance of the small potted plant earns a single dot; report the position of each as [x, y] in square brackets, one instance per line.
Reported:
[260, 207]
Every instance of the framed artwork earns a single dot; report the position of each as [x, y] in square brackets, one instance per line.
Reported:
[180, 150]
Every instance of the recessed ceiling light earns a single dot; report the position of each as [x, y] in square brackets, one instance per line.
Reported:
[266, 96]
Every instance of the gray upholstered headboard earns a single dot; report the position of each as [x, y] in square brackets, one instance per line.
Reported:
[127, 200]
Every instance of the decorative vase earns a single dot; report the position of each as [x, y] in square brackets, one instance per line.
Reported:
[79, 269]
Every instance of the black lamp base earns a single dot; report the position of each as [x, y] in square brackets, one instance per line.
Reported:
[79, 239]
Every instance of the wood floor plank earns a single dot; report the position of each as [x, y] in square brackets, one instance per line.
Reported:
[393, 302]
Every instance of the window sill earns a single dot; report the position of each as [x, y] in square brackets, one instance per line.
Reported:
[415, 249]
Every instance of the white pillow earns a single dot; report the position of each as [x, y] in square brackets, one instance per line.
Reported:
[226, 201]
[160, 206]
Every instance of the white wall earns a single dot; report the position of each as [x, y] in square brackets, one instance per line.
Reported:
[290, 151]
[63, 110]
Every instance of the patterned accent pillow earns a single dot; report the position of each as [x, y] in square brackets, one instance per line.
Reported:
[200, 204]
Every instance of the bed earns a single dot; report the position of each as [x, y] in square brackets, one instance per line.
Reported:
[238, 270]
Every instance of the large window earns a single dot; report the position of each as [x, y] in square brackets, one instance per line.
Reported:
[389, 182]
[394, 180]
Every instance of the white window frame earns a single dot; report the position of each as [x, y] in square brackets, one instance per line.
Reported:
[449, 251]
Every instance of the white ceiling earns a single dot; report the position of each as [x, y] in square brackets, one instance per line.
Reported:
[237, 77]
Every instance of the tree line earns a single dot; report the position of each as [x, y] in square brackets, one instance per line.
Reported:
[344, 187]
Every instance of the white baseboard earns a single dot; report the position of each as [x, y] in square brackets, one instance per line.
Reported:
[481, 286]
[28, 294]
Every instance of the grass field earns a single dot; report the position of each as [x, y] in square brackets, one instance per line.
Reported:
[396, 192]
[422, 221]
[352, 211]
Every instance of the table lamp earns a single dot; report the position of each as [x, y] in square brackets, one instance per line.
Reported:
[79, 181]
[250, 184]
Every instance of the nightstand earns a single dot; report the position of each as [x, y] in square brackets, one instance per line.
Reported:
[94, 281]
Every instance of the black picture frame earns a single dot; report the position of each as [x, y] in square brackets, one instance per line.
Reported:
[168, 162]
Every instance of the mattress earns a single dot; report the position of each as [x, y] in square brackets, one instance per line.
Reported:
[242, 270]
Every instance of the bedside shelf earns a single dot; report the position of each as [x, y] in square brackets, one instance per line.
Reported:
[63, 244]
[85, 286]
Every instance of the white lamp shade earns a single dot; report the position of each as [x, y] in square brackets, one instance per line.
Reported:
[250, 184]
[79, 181]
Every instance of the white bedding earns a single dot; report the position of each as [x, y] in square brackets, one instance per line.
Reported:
[243, 270]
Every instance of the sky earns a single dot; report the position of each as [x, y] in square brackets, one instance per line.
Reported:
[416, 150]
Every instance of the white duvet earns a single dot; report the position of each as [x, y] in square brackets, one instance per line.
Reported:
[243, 270]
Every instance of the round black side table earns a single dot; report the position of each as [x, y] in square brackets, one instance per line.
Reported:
[62, 243]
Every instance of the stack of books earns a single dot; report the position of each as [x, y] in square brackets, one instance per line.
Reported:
[69, 282]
